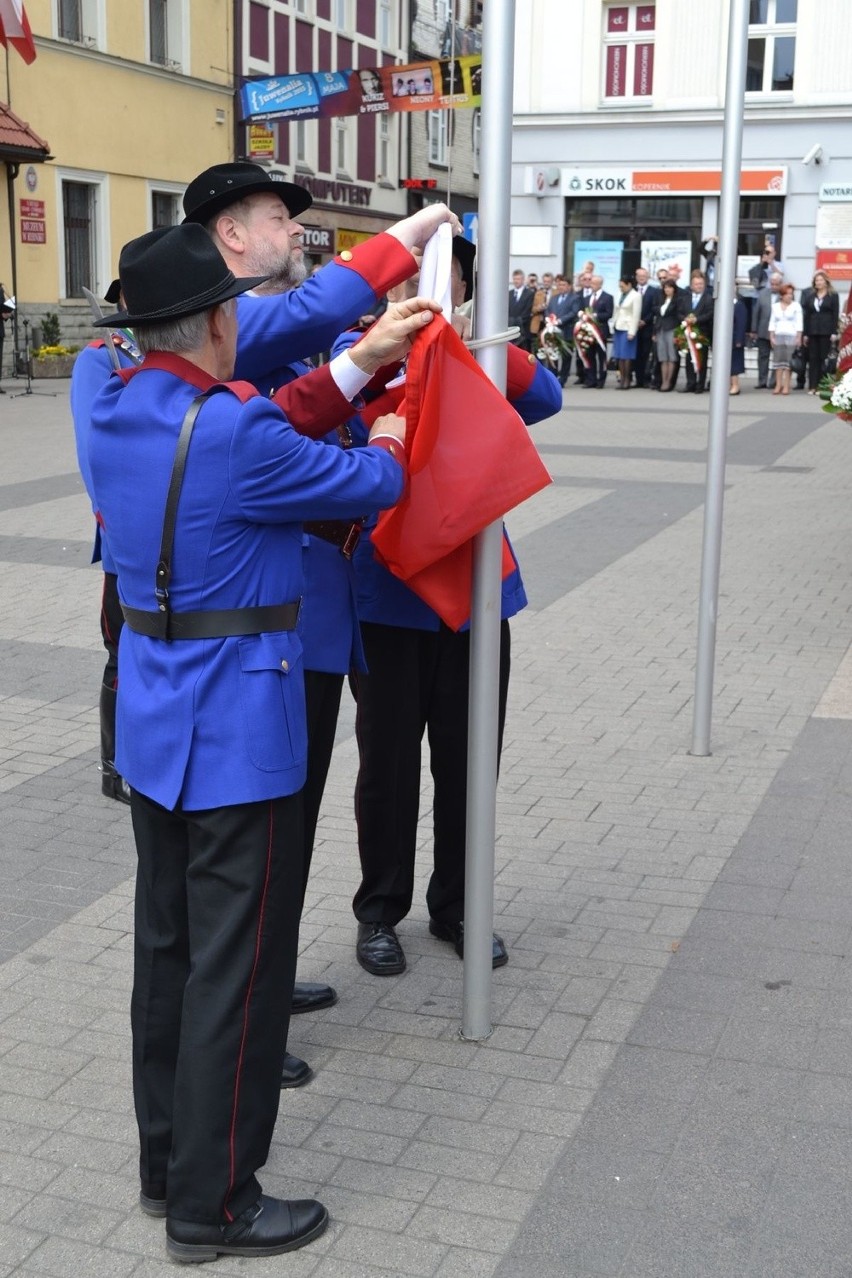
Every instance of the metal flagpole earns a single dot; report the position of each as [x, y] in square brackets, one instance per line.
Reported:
[498, 37]
[732, 150]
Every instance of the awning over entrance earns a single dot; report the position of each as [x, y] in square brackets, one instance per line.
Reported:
[18, 141]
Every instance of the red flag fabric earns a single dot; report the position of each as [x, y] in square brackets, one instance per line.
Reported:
[15, 29]
[471, 459]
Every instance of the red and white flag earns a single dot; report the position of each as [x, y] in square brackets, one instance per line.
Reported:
[15, 29]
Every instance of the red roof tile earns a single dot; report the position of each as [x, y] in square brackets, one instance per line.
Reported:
[16, 136]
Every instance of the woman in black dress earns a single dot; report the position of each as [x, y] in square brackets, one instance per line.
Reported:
[821, 312]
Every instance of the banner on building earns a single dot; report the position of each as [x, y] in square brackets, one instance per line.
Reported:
[261, 142]
[418, 86]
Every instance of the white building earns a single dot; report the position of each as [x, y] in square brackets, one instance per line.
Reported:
[618, 134]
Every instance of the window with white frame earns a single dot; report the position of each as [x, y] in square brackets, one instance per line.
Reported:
[301, 142]
[476, 137]
[437, 125]
[628, 50]
[167, 33]
[300, 6]
[771, 57]
[341, 14]
[165, 209]
[80, 21]
[385, 25]
[341, 145]
[384, 146]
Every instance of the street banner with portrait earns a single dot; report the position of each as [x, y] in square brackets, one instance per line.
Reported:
[430, 85]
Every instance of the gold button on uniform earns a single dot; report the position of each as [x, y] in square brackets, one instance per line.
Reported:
[346, 256]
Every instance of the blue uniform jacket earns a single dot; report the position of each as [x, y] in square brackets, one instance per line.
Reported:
[276, 333]
[92, 367]
[380, 596]
[206, 723]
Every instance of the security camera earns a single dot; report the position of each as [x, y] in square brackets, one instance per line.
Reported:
[814, 156]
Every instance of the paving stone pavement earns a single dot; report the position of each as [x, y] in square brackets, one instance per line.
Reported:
[666, 1090]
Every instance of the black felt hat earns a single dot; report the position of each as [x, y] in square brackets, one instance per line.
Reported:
[466, 254]
[170, 272]
[224, 184]
[113, 293]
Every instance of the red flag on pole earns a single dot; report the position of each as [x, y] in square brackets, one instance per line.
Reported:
[15, 29]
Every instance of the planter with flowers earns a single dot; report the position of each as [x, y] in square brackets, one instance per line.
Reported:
[52, 359]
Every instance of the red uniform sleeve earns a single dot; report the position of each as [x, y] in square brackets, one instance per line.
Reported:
[312, 403]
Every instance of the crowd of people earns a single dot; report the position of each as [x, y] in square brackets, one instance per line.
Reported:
[240, 590]
[652, 328]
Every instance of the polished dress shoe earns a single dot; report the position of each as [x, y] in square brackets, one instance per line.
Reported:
[295, 1072]
[378, 949]
[309, 997]
[454, 933]
[268, 1227]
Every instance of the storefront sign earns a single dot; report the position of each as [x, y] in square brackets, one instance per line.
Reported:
[317, 239]
[261, 141]
[336, 192]
[348, 239]
[837, 263]
[835, 191]
[585, 182]
[33, 224]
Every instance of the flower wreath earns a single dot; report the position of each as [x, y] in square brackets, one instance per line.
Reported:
[552, 346]
[689, 337]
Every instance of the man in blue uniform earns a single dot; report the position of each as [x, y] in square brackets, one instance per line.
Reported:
[91, 369]
[205, 529]
[251, 218]
[418, 682]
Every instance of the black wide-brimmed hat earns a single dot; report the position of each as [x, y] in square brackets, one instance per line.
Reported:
[170, 272]
[224, 184]
[466, 254]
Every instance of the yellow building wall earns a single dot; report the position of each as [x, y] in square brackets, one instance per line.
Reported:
[111, 116]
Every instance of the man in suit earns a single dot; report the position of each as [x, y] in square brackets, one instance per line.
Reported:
[565, 305]
[645, 332]
[211, 731]
[602, 305]
[520, 309]
[698, 302]
[760, 319]
[541, 303]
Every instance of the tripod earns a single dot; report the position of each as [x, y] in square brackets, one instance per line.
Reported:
[28, 363]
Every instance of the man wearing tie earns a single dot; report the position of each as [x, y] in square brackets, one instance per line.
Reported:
[699, 303]
[520, 309]
[602, 306]
[565, 305]
[645, 331]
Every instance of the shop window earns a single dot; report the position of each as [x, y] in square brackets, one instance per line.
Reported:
[771, 56]
[628, 51]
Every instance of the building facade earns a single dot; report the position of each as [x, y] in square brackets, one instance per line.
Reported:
[352, 165]
[617, 144]
[133, 98]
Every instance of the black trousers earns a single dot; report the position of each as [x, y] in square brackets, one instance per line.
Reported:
[643, 355]
[112, 619]
[418, 682]
[818, 350]
[596, 373]
[322, 705]
[218, 898]
[696, 380]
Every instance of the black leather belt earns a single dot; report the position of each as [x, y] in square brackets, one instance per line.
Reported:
[340, 532]
[222, 623]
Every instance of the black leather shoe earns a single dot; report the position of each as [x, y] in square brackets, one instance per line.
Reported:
[378, 949]
[295, 1072]
[152, 1200]
[270, 1226]
[308, 997]
[454, 933]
